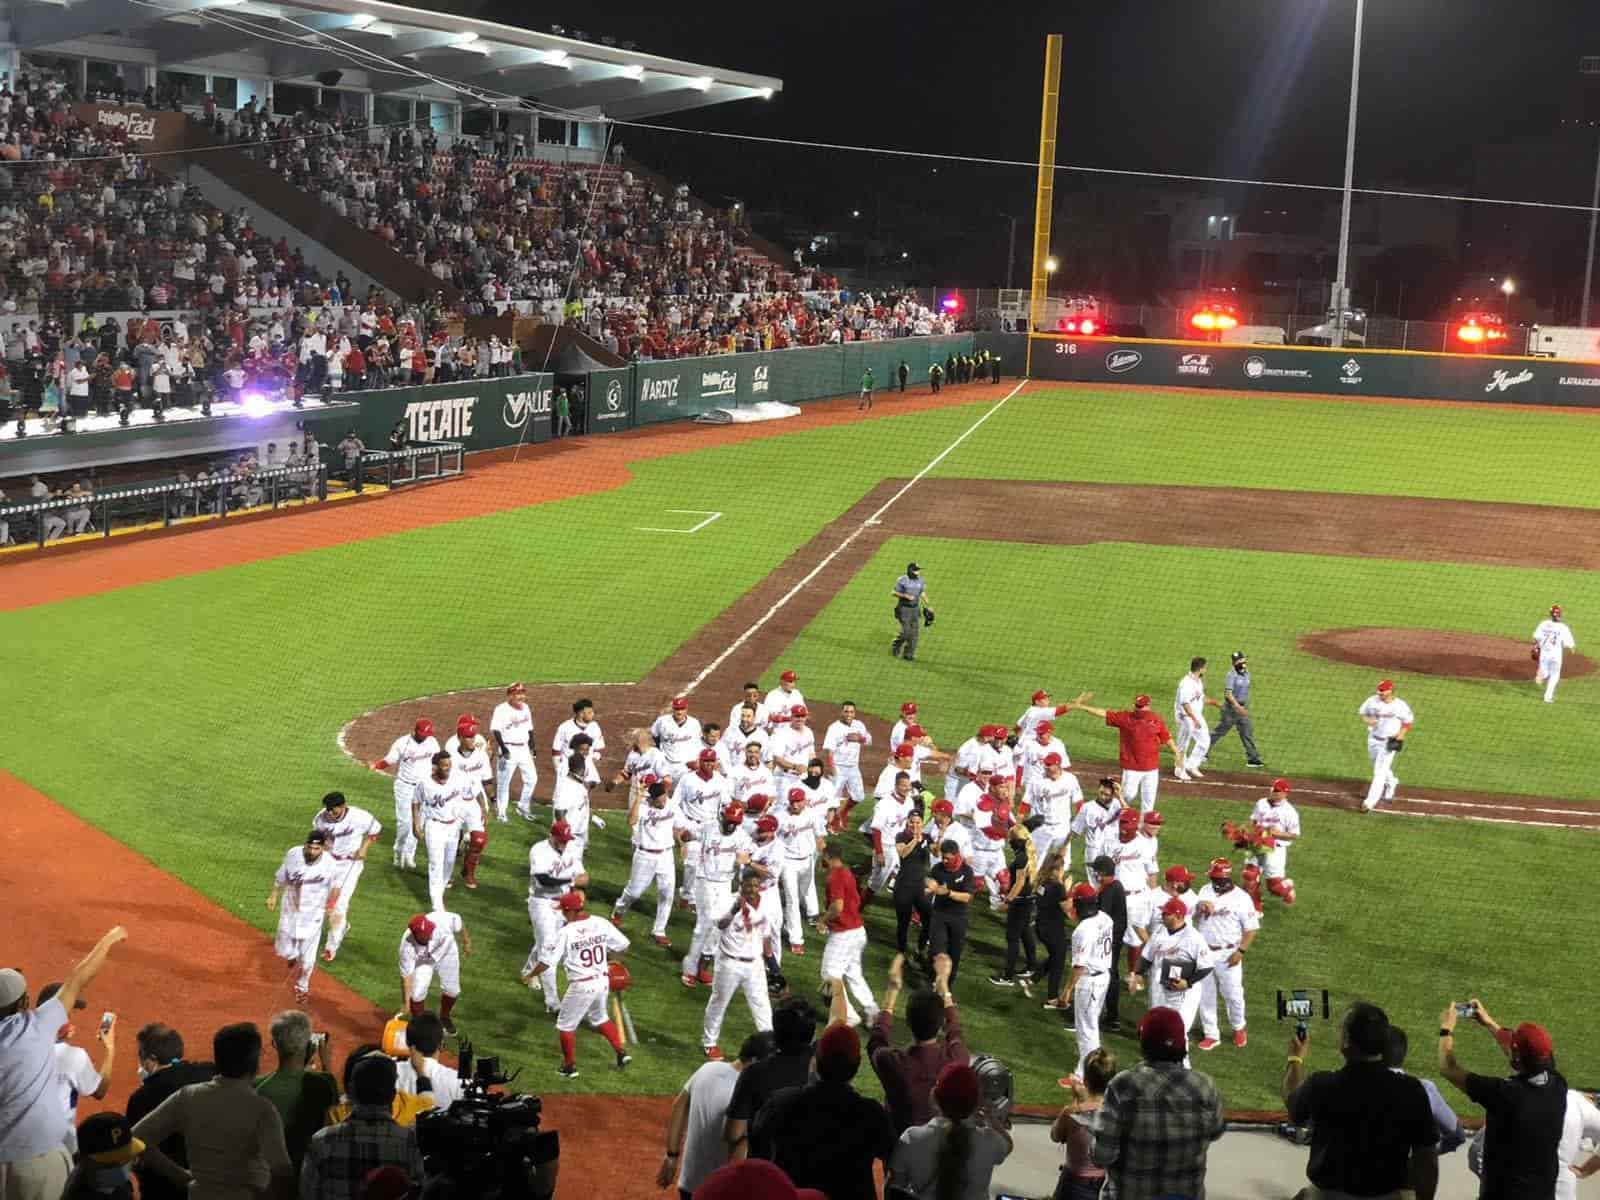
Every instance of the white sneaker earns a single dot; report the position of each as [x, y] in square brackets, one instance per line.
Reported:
[1197, 772]
[1180, 773]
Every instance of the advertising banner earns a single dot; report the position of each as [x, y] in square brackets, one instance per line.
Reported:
[482, 414]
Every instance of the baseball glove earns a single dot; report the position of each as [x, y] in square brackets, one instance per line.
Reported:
[1237, 834]
[1533, 653]
[1396, 745]
[777, 982]
[927, 617]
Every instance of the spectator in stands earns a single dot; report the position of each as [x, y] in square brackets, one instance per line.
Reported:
[908, 1074]
[404, 1108]
[77, 517]
[794, 1024]
[1158, 1119]
[163, 1070]
[1523, 1115]
[78, 1075]
[337, 1159]
[1450, 1133]
[33, 1123]
[825, 1134]
[952, 1156]
[1372, 1132]
[301, 1096]
[1080, 1178]
[234, 1137]
[424, 1035]
[695, 1143]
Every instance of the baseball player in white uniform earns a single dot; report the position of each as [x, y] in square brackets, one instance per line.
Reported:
[444, 805]
[723, 849]
[1389, 720]
[900, 762]
[1054, 795]
[908, 718]
[757, 705]
[946, 828]
[583, 945]
[554, 869]
[964, 770]
[993, 824]
[750, 776]
[1227, 919]
[1551, 640]
[843, 742]
[1034, 750]
[791, 747]
[657, 827]
[570, 800]
[700, 795]
[1096, 823]
[744, 938]
[1279, 823]
[782, 700]
[802, 829]
[821, 796]
[409, 756]
[739, 737]
[677, 734]
[889, 817]
[1190, 730]
[767, 858]
[1177, 960]
[308, 881]
[428, 948]
[471, 755]
[1092, 951]
[349, 831]
[643, 759]
[581, 722]
[1040, 709]
[511, 726]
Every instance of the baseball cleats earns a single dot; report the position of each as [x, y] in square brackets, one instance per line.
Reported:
[799, 949]
[662, 939]
[689, 981]
[1002, 981]
[448, 1025]
[623, 1059]
[1209, 1043]
[713, 1054]
[568, 1070]
[1180, 774]
[1241, 1039]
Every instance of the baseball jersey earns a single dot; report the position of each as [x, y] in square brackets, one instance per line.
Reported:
[730, 747]
[1136, 862]
[845, 753]
[797, 745]
[747, 934]
[887, 776]
[701, 799]
[1034, 752]
[799, 832]
[655, 827]
[570, 729]
[954, 832]
[824, 796]
[1096, 824]
[563, 866]
[1167, 949]
[753, 781]
[841, 888]
[897, 731]
[444, 1082]
[447, 801]
[472, 757]
[779, 702]
[996, 758]
[737, 712]
[75, 1078]
[1144, 912]
[1276, 818]
[967, 758]
[889, 817]
[440, 946]
[1553, 638]
[1092, 944]
[305, 886]
[513, 724]
[645, 762]
[584, 948]
[678, 743]
[1392, 716]
[411, 758]
[719, 852]
[570, 802]
[966, 804]
[1035, 713]
[1055, 799]
[1140, 736]
[1191, 694]
[346, 835]
[1233, 915]
[770, 856]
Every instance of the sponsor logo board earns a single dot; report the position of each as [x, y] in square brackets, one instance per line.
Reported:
[519, 406]
[1119, 362]
[1256, 367]
[1504, 381]
[653, 391]
[611, 405]
[447, 420]
[715, 385]
[1195, 364]
[760, 381]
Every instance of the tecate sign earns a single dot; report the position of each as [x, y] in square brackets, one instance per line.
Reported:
[611, 404]
[440, 420]
[760, 380]
[1121, 361]
[519, 406]
[1256, 368]
[1504, 381]
[1194, 364]
[716, 384]
[659, 389]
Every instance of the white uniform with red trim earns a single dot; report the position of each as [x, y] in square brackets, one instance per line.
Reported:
[448, 809]
[562, 867]
[1233, 914]
[798, 834]
[514, 724]
[770, 856]
[1554, 639]
[570, 803]
[1392, 715]
[700, 800]
[1055, 800]
[1276, 819]
[740, 967]
[301, 909]
[796, 745]
[718, 856]
[565, 732]
[730, 746]
[1092, 949]
[1136, 862]
[678, 741]
[1034, 753]
[988, 856]
[779, 704]
[752, 781]
[346, 837]
[440, 956]
[646, 762]
[955, 832]
[1029, 720]
[412, 761]
[1192, 735]
[584, 947]
[654, 836]
[1166, 948]
[472, 757]
[889, 817]
[1096, 824]
[847, 756]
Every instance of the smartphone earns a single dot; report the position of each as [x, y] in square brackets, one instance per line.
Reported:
[107, 1020]
[317, 1039]
[1464, 1008]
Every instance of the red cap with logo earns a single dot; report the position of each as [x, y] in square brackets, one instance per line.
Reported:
[904, 750]
[466, 725]
[1085, 891]
[1128, 818]
[1386, 685]
[1044, 729]
[1221, 868]
[787, 677]
[1161, 1029]
[1052, 759]
[908, 709]
[1530, 1042]
[799, 713]
[421, 928]
[945, 807]
[423, 728]
[756, 803]
[1179, 875]
[708, 755]
[1041, 696]
[561, 832]
[1174, 908]
[767, 824]
[733, 812]
[1280, 785]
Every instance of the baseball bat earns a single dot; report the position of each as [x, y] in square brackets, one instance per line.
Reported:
[627, 1023]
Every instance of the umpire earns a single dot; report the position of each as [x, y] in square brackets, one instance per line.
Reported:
[1236, 710]
[911, 609]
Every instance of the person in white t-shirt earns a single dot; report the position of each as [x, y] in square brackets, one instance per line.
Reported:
[695, 1145]
[429, 947]
[424, 1036]
[77, 1076]
[843, 742]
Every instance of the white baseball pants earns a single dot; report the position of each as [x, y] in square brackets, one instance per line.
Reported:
[443, 839]
[710, 896]
[798, 881]
[847, 782]
[1048, 838]
[1549, 675]
[545, 918]
[883, 873]
[987, 865]
[299, 953]
[585, 1001]
[771, 905]
[737, 975]
[1273, 862]
[691, 868]
[1088, 999]
[405, 842]
[650, 866]
[1230, 982]
[339, 920]
[841, 959]
[507, 766]
[1194, 743]
[449, 972]
[1143, 784]
[1383, 777]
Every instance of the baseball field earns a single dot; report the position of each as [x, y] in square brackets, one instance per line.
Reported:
[188, 700]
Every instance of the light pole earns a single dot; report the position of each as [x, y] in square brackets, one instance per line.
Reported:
[1506, 288]
[1342, 275]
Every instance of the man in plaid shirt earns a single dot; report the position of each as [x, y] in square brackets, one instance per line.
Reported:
[339, 1157]
[1158, 1120]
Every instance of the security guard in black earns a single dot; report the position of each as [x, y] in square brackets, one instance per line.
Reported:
[952, 884]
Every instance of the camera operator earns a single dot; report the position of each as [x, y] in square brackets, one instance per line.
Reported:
[1523, 1115]
[489, 1145]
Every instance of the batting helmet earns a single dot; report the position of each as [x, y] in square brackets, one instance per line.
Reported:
[422, 729]
[618, 975]
[1128, 818]
[1154, 819]
[1221, 868]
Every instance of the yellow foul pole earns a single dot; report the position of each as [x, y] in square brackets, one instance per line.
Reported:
[1044, 198]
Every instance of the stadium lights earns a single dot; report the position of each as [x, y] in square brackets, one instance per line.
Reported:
[634, 71]
[557, 58]
[701, 83]
[362, 20]
[1051, 265]
[766, 93]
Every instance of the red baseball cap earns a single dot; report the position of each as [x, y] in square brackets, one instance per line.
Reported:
[466, 725]
[944, 806]
[1386, 685]
[733, 812]
[1161, 1029]
[787, 677]
[1154, 818]
[1179, 874]
[570, 902]
[680, 703]
[1174, 908]
[1221, 868]
[1280, 785]
[1052, 759]
[708, 755]
[797, 793]
[646, 779]
[1085, 891]
[421, 928]
[1141, 701]
[908, 709]
[904, 750]
[1045, 727]
[1041, 696]
[915, 731]
[423, 728]
[1531, 1043]
[798, 712]
[561, 832]
[767, 824]
[756, 802]
[750, 1179]
[1128, 818]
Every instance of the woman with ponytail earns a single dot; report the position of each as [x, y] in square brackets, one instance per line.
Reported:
[954, 1155]
[1019, 904]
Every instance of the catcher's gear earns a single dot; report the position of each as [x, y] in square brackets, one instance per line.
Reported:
[927, 617]
[777, 982]
[618, 975]
[1533, 653]
[1248, 837]
[1396, 745]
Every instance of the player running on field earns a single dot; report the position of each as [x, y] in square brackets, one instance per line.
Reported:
[1551, 640]
[583, 946]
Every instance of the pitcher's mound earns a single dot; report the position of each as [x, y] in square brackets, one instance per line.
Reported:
[1435, 652]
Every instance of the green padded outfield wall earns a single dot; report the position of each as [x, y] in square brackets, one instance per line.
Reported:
[482, 414]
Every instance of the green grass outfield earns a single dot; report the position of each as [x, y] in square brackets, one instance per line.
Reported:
[224, 691]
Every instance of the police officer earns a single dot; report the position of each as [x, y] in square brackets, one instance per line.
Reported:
[1236, 710]
[910, 598]
[950, 369]
[903, 373]
[994, 366]
[935, 377]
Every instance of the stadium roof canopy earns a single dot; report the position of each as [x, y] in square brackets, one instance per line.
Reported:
[394, 48]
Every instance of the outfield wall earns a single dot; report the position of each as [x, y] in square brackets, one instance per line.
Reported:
[481, 414]
[1342, 372]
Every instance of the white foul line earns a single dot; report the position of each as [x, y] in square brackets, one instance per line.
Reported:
[693, 512]
[843, 546]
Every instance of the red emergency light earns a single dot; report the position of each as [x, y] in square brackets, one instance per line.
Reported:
[1210, 320]
[1087, 326]
[951, 304]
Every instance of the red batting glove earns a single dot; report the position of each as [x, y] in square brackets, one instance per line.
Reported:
[379, 764]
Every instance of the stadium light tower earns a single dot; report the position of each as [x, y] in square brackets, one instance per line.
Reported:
[1341, 283]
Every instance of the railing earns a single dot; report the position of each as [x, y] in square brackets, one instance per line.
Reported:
[398, 468]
